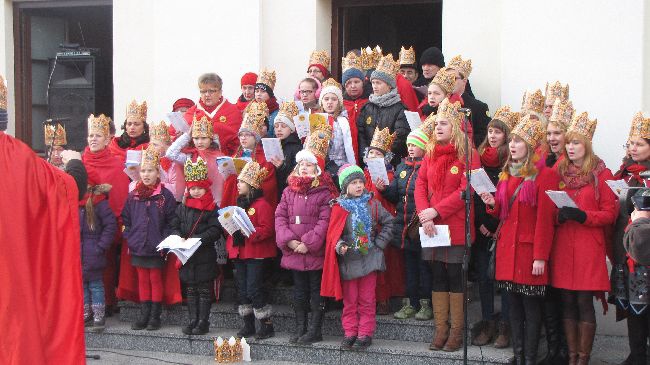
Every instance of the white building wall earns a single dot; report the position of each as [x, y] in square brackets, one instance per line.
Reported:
[7, 57]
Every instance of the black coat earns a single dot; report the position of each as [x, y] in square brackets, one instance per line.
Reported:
[401, 193]
[201, 266]
[480, 117]
[290, 147]
[393, 117]
[481, 217]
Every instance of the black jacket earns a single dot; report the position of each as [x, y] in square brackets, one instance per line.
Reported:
[393, 117]
[480, 117]
[290, 147]
[481, 217]
[201, 266]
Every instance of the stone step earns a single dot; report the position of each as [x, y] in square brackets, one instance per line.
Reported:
[170, 339]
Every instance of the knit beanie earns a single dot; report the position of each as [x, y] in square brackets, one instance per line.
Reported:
[418, 138]
[348, 173]
[306, 155]
[249, 78]
[432, 56]
[183, 103]
[266, 88]
[330, 90]
[352, 73]
[389, 79]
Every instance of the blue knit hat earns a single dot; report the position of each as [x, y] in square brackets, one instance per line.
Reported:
[352, 73]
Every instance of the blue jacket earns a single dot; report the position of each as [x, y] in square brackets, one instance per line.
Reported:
[95, 243]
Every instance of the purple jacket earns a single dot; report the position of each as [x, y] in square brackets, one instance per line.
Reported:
[95, 243]
[303, 217]
[147, 221]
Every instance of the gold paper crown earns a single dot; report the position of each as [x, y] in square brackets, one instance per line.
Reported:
[330, 82]
[460, 65]
[640, 126]
[3, 94]
[100, 124]
[55, 135]
[555, 91]
[267, 77]
[196, 171]
[562, 113]
[253, 174]
[582, 125]
[289, 109]
[202, 127]
[319, 140]
[533, 102]
[137, 110]
[446, 79]
[529, 130]
[320, 58]
[383, 139]
[507, 116]
[388, 65]
[150, 157]
[227, 353]
[449, 111]
[160, 132]
[429, 125]
[370, 57]
[351, 60]
[407, 56]
[254, 117]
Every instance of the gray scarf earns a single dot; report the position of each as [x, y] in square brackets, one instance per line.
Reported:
[386, 100]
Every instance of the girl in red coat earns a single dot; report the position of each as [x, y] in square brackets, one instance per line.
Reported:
[526, 235]
[248, 253]
[578, 263]
[438, 202]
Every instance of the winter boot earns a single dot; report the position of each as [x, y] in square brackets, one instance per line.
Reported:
[246, 313]
[425, 313]
[363, 342]
[154, 320]
[205, 303]
[455, 340]
[587, 331]
[98, 318]
[555, 341]
[407, 310]
[440, 302]
[531, 342]
[88, 316]
[572, 339]
[503, 335]
[263, 315]
[192, 301]
[314, 333]
[517, 336]
[301, 322]
[485, 332]
[143, 320]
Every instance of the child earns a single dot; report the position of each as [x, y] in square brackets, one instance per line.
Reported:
[285, 130]
[264, 94]
[353, 234]
[301, 221]
[146, 216]
[248, 253]
[171, 174]
[195, 218]
[341, 150]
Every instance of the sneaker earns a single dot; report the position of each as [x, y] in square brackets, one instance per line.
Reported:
[363, 342]
[425, 313]
[98, 326]
[407, 311]
[347, 342]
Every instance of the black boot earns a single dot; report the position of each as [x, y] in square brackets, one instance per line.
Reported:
[246, 313]
[266, 325]
[517, 335]
[192, 301]
[301, 322]
[637, 329]
[205, 303]
[533, 329]
[314, 333]
[143, 320]
[154, 319]
[555, 339]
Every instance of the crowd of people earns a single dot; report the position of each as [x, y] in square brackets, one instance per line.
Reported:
[319, 215]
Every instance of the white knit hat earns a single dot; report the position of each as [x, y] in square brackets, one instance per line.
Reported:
[331, 90]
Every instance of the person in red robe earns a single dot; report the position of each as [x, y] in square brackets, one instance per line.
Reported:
[136, 132]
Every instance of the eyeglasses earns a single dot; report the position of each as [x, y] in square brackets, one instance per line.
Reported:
[209, 91]
[306, 92]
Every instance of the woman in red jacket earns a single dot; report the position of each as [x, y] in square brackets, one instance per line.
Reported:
[578, 264]
[438, 202]
[526, 235]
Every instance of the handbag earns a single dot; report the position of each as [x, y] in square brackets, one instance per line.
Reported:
[413, 228]
[492, 263]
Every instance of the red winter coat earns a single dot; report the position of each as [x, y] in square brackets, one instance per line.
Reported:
[353, 108]
[261, 243]
[226, 120]
[527, 233]
[578, 255]
[269, 185]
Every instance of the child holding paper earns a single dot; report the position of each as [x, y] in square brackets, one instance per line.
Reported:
[354, 255]
[146, 216]
[249, 253]
[195, 218]
[285, 131]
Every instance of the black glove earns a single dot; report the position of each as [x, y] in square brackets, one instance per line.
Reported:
[568, 213]
[238, 239]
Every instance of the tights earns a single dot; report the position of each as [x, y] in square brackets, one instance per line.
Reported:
[578, 305]
[150, 284]
[447, 277]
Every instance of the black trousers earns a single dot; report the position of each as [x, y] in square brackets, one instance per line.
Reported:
[446, 277]
[306, 289]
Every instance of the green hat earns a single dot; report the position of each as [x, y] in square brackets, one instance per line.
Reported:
[418, 138]
[347, 173]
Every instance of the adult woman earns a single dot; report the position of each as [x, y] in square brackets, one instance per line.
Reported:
[319, 61]
[136, 131]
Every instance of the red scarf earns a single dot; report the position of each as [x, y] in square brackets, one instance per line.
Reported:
[300, 184]
[165, 163]
[574, 179]
[145, 191]
[210, 109]
[99, 160]
[632, 170]
[443, 157]
[272, 104]
[206, 202]
[490, 157]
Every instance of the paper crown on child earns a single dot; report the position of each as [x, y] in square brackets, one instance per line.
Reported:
[446, 79]
[370, 57]
[582, 125]
[351, 60]
[288, 110]
[640, 126]
[320, 58]
[507, 116]
[55, 135]
[136, 110]
[253, 174]
[383, 139]
[267, 77]
[100, 124]
[429, 125]
[533, 102]
[449, 111]
[160, 132]
[254, 118]
[556, 91]
[202, 128]
[388, 65]
[529, 130]
[195, 171]
[464, 67]
[319, 140]
[3, 94]
[150, 157]
[562, 113]
[407, 57]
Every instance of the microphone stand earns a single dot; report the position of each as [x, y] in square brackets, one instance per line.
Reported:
[467, 197]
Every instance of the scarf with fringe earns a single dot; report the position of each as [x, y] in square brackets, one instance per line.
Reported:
[527, 193]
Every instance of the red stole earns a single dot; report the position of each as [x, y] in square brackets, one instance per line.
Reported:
[331, 279]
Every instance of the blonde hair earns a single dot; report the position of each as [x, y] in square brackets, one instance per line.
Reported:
[457, 140]
[528, 168]
[590, 160]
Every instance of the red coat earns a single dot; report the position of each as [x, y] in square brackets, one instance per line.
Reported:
[527, 233]
[261, 243]
[120, 152]
[269, 185]
[447, 202]
[226, 120]
[376, 194]
[578, 255]
[353, 108]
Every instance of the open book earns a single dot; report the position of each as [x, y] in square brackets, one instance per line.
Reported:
[235, 219]
[228, 166]
[183, 249]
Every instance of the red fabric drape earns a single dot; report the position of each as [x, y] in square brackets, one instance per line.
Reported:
[331, 279]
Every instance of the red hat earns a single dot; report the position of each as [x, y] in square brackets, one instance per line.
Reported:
[182, 102]
[249, 78]
[322, 69]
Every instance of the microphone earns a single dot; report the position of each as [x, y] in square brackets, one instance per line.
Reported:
[465, 111]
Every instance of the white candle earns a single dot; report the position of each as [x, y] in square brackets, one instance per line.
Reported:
[246, 350]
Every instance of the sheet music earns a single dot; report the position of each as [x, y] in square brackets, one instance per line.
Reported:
[301, 121]
[481, 182]
[561, 199]
[272, 148]
[377, 169]
[226, 166]
[441, 239]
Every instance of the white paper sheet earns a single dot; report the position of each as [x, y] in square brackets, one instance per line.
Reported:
[441, 239]
[481, 182]
[561, 199]
[272, 148]
[619, 187]
[226, 166]
[133, 172]
[183, 249]
[377, 169]
[413, 119]
[301, 121]
[176, 119]
[133, 158]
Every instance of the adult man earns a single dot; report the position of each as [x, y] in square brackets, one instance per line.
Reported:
[408, 65]
[431, 61]
[55, 141]
[247, 84]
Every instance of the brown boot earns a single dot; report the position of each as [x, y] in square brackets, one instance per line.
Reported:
[440, 303]
[587, 332]
[485, 332]
[503, 335]
[571, 333]
[455, 340]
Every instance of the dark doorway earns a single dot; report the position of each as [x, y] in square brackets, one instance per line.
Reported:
[44, 71]
[389, 24]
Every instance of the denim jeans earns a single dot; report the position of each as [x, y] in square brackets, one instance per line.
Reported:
[249, 275]
[486, 284]
[93, 292]
[418, 277]
[306, 289]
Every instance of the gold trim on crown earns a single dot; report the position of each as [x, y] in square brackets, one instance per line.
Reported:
[267, 77]
[202, 127]
[382, 139]
[460, 65]
[289, 109]
[331, 82]
[507, 116]
[640, 126]
[582, 125]
[351, 60]
[449, 111]
[227, 353]
[320, 58]
[370, 57]
[3, 93]
[446, 79]
[429, 125]
[100, 124]
[253, 174]
[55, 135]
[150, 157]
[254, 115]
[195, 171]
[562, 113]
[388, 65]
[533, 102]
[137, 110]
[160, 132]
[407, 56]
[319, 140]
[530, 130]
[555, 91]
